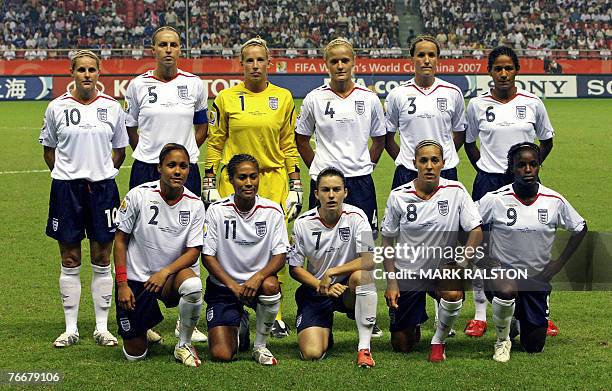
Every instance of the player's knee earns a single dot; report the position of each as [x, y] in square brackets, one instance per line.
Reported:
[404, 341]
[220, 353]
[100, 259]
[505, 294]
[191, 290]
[270, 286]
[135, 349]
[360, 277]
[71, 261]
[311, 353]
[402, 346]
[451, 295]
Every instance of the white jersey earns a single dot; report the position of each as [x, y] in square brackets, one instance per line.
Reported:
[243, 243]
[428, 224]
[159, 233]
[501, 125]
[165, 113]
[326, 247]
[342, 128]
[425, 114]
[84, 136]
[522, 235]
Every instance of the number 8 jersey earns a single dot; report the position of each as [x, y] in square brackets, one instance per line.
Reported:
[159, 233]
[243, 243]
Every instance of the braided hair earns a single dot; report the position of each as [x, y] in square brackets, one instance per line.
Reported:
[237, 160]
[503, 51]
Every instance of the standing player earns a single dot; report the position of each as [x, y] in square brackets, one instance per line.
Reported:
[343, 117]
[164, 106]
[427, 214]
[245, 246]
[424, 108]
[84, 140]
[257, 118]
[502, 117]
[157, 246]
[522, 235]
[337, 241]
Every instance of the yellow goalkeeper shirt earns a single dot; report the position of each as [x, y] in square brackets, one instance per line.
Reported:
[260, 124]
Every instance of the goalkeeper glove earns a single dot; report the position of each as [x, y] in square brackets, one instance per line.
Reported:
[210, 193]
[294, 199]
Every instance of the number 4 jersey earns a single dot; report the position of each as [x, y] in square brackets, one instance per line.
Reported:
[84, 137]
[159, 233]
[244, 242]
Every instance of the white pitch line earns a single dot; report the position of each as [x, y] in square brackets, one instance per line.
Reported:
[39, 171]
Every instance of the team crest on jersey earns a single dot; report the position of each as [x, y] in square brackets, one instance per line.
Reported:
[443, 207]
[184, 217]
[102, 114]
[521, 112]
[209, 314]
[182, 92]
[543, 216]
[261, 228]
[360, 107]
[344, 233]
[55, 224]
[125, 324]
[273, 102]
[442, 104]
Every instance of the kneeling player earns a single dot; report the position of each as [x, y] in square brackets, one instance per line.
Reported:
[426, 214]
[245, 246]
[522, 235]
[336, 238]
[157, 245]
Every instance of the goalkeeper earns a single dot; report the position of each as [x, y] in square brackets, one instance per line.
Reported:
[257, 118]
[343, 116]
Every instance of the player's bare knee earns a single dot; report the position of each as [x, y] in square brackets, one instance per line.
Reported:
[135, 349]
[402, 345]
[310, 353]
[71, 261]
[221, 353]
[100, 259]
[360, 277]
[451, 295]
[270, 286]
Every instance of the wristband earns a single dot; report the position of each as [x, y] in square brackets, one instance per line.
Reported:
[121, 274]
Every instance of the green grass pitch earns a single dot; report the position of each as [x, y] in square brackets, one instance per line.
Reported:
[31, 316]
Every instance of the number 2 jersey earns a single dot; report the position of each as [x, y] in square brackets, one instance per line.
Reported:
[342, 128]
[243, 243]
[522, 235]
[325, 247]
[159, 233]
[430, 226]
[501, 125]
[165, 112]
[84, 136]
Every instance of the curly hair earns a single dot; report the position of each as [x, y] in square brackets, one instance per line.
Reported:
[237, 160]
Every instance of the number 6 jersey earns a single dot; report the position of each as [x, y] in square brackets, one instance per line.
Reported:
[159, 233]
[244, 242]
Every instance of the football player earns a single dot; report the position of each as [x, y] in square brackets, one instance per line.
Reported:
[84, 140]
[332, 258]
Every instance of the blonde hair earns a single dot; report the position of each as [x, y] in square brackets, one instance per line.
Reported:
[428, 143]
[84, 53]
[257, 41]
[165, 28]
[335, 43]
[424, 38]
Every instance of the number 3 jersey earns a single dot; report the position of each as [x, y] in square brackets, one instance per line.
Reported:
[159, 233]
[429, 227]
[522, 235]
[326, 247]
[342, 128]
[84, 137]
[244, 242]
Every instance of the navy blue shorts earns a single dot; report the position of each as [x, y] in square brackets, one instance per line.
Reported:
[147, 172]
[410, 312]
[136, 322]
[403, 175]
[315, 310]
[486, 182]
[361, 193]
[78, 207]
[222, 307]
[531, 305]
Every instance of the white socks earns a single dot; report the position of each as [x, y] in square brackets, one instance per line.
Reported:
[502, 316]
[365, 313]
[447, 314]
[134, 358]
[265, 313]
[70, 291]
[480, 300]
[189, 307]
[102, 293]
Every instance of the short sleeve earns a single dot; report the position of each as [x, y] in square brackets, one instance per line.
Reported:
[377, 127]
[132, 107]
[471, 134]
[569, 218]
[392, 114]
[458, 121]
[195, 237]
[200, 115]
[485, 208]
[120, 137]
[305, 124]
[129, 211]
[297, 255]
[543, 127]
[210, 234]
[280, 242]
[364, 240]
[469, 216]
[48, 132]
[391, 221]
